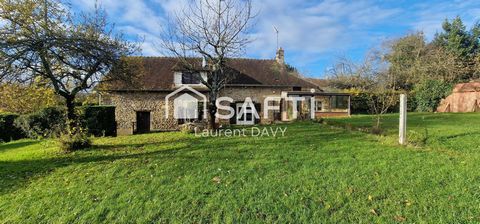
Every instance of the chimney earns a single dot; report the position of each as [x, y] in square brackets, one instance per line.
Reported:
[280, 58]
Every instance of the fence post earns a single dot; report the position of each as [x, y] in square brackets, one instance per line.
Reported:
[403, 120]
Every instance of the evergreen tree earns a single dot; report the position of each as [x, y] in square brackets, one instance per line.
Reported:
[456, 39]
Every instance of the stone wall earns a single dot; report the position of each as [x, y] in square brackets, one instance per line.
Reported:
[257, 94]
[128, 103]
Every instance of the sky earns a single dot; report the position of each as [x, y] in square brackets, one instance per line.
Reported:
[313, 33]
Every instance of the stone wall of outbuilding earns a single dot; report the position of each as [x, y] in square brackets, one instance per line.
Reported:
[128, 103]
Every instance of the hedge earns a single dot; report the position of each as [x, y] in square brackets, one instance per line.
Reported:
[50, 122]
[360, 104]
[100, 120]
[430, 93]
[8, 130]
[45, 123]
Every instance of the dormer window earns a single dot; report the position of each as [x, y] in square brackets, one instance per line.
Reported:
[190, 78]
[297, 88]
[181, 78]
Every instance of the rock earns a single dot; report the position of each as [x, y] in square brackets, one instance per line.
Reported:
[191, 127]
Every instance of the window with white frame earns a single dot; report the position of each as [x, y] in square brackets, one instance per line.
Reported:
[318, 106]
[191, 78]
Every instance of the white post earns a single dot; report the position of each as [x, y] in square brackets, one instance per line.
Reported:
[403, 120]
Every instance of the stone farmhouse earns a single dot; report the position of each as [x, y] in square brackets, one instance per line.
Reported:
[150, 106]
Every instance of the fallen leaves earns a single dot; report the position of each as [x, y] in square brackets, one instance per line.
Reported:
[370, 197]
[399, 218]
[217, 180]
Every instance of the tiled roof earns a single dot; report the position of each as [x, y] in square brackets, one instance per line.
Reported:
[467, 87]
[319, 82]
[159, 73]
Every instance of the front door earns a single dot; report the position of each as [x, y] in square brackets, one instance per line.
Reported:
[247, 118]
[143, 121]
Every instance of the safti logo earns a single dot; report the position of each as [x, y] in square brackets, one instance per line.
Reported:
[186, 104]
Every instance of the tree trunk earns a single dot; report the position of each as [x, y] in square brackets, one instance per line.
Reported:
[70, 103]
[378, 121]
[212, 110]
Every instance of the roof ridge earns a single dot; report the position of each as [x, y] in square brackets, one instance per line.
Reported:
[172, 57]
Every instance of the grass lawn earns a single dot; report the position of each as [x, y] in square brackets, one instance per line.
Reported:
[315, 173]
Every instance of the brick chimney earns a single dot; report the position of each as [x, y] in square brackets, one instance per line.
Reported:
[280, 58]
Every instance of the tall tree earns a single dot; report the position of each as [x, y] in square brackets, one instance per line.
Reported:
[23, 99]
[214, 30]
[456, 39]
[43, 38]
[404, 55]
[441, 64]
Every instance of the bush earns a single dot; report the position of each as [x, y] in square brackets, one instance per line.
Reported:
[377, 131]
[74, 139]
[46, 123]
[320, 120]
[418, 138]
[411, 102]
[430, 93]
[50, 122]
[99, 120]
[360, 104]
[8, 130]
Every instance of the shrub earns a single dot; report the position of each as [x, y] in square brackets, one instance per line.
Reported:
[8, 130]
[377, 131]
[99, 120]
[418, 138]
[411, 101]
[46, 123]
[320, 120]
[74, 139]
[360, 103]
[429, 94]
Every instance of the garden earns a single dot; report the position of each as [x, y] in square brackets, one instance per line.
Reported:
[332, 171]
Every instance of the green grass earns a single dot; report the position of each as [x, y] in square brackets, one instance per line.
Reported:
[458, 132]
[314, 174]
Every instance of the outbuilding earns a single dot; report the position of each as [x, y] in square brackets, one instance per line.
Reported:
[464, 98]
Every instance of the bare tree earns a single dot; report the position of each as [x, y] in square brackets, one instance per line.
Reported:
[212, 30]
[381, 88]
[346, 74]
[372, 78]
[41, 38]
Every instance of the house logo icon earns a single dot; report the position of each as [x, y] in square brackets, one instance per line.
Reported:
[186, 105]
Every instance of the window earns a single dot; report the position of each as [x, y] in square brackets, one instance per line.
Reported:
[340, 102]
[297, 88]
[191, 78]
[319, 106]
[200, 112]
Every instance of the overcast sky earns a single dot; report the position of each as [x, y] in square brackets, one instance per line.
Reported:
[313, 33]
